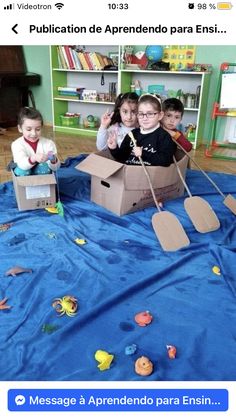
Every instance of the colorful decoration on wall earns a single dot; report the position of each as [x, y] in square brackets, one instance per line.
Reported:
[179, 56]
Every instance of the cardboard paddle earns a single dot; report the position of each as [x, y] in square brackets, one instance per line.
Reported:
[166, 225]
[229, 200]
[199, 210]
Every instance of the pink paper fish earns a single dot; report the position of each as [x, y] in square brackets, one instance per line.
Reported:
[3, 305]
[17, 270]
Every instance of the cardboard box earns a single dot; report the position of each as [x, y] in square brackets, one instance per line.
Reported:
[122, 188]
[35, 192]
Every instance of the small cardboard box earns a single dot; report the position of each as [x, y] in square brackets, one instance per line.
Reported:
[34, 192]
[122, 188]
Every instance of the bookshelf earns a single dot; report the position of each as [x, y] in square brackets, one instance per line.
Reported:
[94, 80]
[194, 84]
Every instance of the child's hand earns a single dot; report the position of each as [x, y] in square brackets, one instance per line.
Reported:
[106, 119]
[52, 156]
[40, 158]
[112, 140]
[138, 151]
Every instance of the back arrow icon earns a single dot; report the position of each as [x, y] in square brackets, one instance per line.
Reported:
[14, 28]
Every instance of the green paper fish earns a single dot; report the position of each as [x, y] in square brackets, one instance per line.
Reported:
[60, 208]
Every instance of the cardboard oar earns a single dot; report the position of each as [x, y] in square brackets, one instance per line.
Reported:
[166, 225]
[229, 200]
[199, 210]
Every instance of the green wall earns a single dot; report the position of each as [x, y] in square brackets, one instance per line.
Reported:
[37, 60]
[215, 55]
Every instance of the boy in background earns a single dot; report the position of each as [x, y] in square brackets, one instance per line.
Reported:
[173, 112]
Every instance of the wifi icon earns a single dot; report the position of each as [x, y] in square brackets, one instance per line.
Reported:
[59, 5]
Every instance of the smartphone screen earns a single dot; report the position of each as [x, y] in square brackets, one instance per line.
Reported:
[117, 278]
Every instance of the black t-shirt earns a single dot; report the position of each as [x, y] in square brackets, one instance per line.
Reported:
[158, 148]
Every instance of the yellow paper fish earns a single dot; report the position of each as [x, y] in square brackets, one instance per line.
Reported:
[216, 270]
[80, 241]
[104, 358]
[52, 210]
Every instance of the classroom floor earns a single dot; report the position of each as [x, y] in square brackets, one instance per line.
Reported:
[71, 145]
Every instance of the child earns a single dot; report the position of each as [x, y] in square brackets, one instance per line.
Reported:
[154, 144]
[173, 112]
[122, 120]
[32, 153]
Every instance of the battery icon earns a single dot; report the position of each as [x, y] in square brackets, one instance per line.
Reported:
[223, 5]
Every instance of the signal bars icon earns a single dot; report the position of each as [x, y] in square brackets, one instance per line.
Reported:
[59, 5]
[9, 7]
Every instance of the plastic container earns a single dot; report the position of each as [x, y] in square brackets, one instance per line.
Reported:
[156, 89]
[70, 120]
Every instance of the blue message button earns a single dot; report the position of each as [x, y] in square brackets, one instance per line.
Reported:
[120, 400]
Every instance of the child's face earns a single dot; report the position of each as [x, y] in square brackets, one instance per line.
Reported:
[31, 129]
[148, 116]
[171, 119]
[128, 114]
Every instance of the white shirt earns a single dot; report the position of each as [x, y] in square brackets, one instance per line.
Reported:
[103, 133]
[22, 151]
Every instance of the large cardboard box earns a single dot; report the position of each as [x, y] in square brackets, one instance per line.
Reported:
[123, 188]
[34, 192]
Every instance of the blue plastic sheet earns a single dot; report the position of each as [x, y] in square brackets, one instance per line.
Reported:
[120, 271]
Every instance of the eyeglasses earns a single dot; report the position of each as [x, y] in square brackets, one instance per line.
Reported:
[149, 115]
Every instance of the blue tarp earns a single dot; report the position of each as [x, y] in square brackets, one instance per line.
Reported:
[120, 271]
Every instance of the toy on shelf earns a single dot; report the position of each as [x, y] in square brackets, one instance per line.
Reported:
[154, 52]
[191, 132]
[127, 56]
[137, 87]
[89, 95]
[91, 121]
[139, 59]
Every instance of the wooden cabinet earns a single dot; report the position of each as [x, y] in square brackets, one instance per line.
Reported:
[15, 84]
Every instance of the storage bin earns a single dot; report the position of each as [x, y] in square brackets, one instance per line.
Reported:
[156, 89]
[70, 121]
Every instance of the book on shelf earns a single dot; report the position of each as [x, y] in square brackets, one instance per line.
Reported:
[88, 60]
[83, 61]
[61, 93]
[61, 58]
[95, 61]
[69, 88]
[70, 92]
[70, 59]
[78, 65]
[69, 96]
